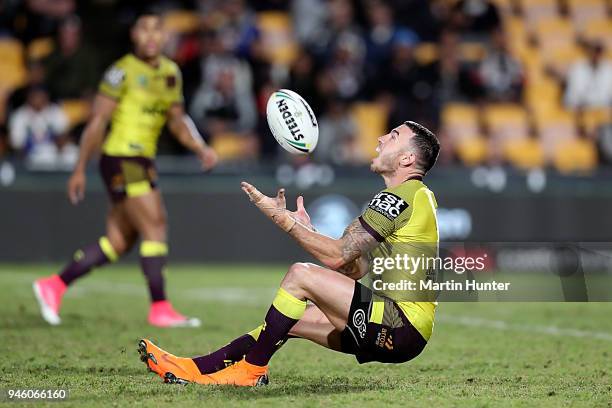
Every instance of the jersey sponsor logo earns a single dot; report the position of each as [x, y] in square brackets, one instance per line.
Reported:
[114, 76]
[359, 321]
[388, 204]
[171, 81]
[155, 109]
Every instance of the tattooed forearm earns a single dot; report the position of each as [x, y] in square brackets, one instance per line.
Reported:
[334, 253]
[356, 241]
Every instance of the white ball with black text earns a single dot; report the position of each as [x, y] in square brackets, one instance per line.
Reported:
[292, 122]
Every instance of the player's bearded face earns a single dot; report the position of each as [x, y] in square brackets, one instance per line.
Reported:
[148, 36]
[389, 149]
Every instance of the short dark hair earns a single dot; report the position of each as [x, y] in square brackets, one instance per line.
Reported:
[147, 11]
[426, 143]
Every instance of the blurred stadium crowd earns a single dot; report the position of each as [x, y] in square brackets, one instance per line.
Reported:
[521, 82]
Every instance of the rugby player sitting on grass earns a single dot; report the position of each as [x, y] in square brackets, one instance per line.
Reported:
[344, 315]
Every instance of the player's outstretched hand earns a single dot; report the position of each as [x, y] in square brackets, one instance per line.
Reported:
[208, 158]
[274, 208]
[300, 214]
[76, 187]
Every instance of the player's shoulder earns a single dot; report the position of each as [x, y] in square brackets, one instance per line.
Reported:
[169, 66]
[115, 75]
[408, 189]
[124, 62]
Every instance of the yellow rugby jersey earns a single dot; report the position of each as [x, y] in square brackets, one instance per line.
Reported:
[403, 219]
[143, 94]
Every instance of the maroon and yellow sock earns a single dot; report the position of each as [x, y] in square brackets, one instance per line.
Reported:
[153, 256]
[85, 259]
[285, 311]
[228, 354]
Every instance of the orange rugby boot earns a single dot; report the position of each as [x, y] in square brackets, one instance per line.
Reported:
[242, 374]
[172, 369]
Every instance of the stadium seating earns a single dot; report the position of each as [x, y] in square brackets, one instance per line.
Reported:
[229, 146]
[277, 37]
[371, 120]
[506, 121]
[575, 156]
[181, 22]
[592, 119]
[553, 128]
[584, 12]
[12, 69]
[40, 48]
[525, 153]
[534, 11]
[77, 111]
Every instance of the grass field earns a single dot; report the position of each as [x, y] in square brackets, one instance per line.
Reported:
[485, 354]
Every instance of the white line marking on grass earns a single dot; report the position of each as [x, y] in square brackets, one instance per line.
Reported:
[503, 325]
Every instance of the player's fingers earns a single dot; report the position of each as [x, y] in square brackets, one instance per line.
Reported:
[254, 194]
[280, 198]
[300, 204]
[72, 196]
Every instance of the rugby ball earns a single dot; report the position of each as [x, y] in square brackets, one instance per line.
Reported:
[292, 122]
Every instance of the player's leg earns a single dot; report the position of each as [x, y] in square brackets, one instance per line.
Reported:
[313, 326]
[119, 238]
[147, 214]
[330, 291]
[316, 327]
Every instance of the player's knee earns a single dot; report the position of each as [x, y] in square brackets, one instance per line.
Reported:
[299, 274]
[156, 229]
[118, 244]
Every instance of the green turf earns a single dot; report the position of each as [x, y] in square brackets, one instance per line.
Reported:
[486, 354]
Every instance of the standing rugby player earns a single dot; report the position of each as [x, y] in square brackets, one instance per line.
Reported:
[374, 322]
[139, 93]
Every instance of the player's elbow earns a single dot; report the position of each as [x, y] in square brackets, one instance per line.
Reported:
[334, 262]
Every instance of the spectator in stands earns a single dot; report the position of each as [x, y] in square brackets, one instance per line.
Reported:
[346, 66]
[589, 82]
[400, 74]
[381, 34]
[338, 142]
[302, 76]
[339, 26]
[475, 19]
[238, 29]
[425, 17]
[35, 77]
[451, 79]
[40, 18]
[38, 131]
[224, 105]
[309, 17]
[500, 74]
[71, 67]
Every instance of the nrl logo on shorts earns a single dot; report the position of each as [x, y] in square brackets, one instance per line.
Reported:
[359, 321]
[388, 204]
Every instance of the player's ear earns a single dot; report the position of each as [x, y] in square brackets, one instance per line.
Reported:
[407, 159]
